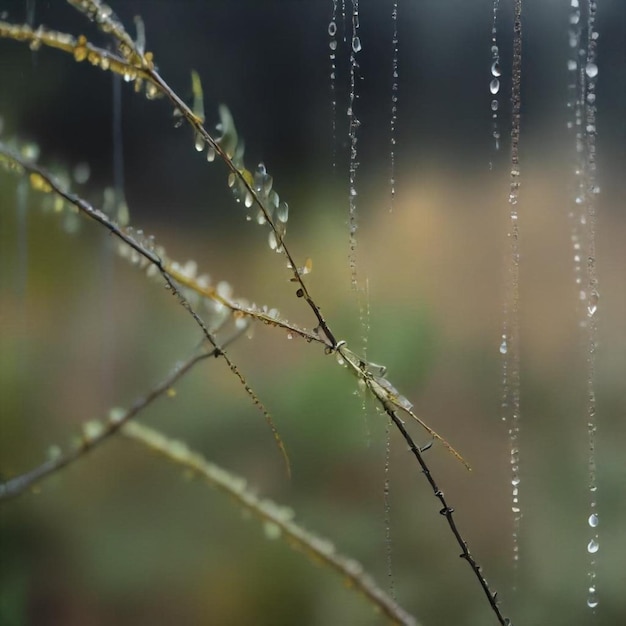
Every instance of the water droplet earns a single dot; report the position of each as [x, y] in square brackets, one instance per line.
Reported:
[271, 240]
[591, 69]
[282, 212]
[495, 69]
[54, 453]
[332, 29]
[356, 44]
[199, 142]
[272, 530]
[592, 598]
[572, 65]
[593, 520]
[494, 105]
[494, 86]
[81, 173]
[248, 201]
[210, 154]
[592, 307]
[503, 347]
[593, 546]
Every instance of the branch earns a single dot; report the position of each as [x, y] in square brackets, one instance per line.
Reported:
[447, 511]
[95, 433]
[276, 519]
[43, 181]
[138, 68]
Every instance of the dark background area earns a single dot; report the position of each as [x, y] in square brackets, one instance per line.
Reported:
[122, 538]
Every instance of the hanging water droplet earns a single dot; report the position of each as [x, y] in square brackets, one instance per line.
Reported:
[282, 212]
[495, 69]
[572, 65]
[332, 28]
[593, 520]
[592, 598]
[271, 240]
[591, 69]
[210, 154]
[503, 347]
[494, 105]
[494, 86]
[356, 44]
[199, 142]
[248, 200]
[593, 546]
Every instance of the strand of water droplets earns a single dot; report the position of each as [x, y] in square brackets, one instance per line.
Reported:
[509, 346]
[353, 125]
[332, 44]
[496, 72]
[394, 102]
[387, 505]
[591, 73]
[575, 105]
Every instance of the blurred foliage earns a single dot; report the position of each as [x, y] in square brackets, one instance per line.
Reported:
[122, 538]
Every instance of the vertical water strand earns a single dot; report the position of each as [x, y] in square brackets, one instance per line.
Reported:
[364, 324]
[510, 348]
[591, 73]
[496, 72]
[394, 103]
[353, 125]
[575, 106]
[332, 44]
[387, 518]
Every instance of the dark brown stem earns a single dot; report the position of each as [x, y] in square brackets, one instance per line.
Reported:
[447, 511]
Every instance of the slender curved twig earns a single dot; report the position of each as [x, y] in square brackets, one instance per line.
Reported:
[277, 520]
[93, 438]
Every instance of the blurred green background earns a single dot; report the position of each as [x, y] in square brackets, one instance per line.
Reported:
[125, 538]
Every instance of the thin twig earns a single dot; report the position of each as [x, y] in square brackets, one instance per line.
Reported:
[447, 511]
[17, 485]
[277, 520]
[44, 181]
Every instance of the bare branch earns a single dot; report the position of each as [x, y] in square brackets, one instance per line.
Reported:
[277, 520]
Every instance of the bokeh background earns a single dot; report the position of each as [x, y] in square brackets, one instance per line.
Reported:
[123, 537]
